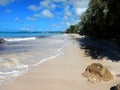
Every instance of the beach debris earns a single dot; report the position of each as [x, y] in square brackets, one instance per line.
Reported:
[96, 72]
[117, 87]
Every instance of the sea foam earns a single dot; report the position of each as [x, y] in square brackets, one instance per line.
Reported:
[20, 39]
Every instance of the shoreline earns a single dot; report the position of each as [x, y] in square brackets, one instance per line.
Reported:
[59, 52]
[64, 73]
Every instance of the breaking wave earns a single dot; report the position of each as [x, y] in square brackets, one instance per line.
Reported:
[20, 39]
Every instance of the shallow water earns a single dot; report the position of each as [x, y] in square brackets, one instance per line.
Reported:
[17, 56]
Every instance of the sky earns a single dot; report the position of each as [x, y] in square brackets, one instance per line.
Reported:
[40, 15]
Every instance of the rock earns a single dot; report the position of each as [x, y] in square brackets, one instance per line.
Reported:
[117, 87]
[97, 72]
[2, 40]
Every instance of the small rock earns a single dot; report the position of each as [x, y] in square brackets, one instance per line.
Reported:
[117, 87]
[2, 40]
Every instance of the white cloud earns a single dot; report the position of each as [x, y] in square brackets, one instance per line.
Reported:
[34, 8]
[31, 18]
[34, 17]
[8, 11]
[37, 15]
[49, 4]
[79, 3]
[47, 13]
[5, 2]
[53, 6]
[59, 1]
[79, 6]
[68, 23]
[45, 3]
[56, 0]
[56, 25]
[65, 18]
[25, 29]
[67, 8]
[19, 20]
[79, 11]
[67, 11]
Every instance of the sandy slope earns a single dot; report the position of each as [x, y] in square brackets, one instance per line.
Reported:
[63, 73]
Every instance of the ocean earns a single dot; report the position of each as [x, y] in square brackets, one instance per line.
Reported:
[22, 50]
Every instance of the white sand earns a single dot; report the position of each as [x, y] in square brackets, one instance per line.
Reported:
[64, 73]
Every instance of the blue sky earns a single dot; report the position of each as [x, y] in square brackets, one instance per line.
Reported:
[40, 15]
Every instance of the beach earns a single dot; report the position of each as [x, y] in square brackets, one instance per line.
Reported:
[64, 72]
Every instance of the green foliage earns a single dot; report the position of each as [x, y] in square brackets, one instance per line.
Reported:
[72, 29]
[102, 18]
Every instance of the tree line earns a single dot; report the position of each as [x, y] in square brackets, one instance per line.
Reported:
[100, 20]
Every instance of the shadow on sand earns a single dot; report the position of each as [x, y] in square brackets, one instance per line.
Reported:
[99, 49]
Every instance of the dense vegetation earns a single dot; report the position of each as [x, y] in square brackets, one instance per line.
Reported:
[101, 19]
[72, 29]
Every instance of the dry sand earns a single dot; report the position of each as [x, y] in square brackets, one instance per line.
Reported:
[64, 73]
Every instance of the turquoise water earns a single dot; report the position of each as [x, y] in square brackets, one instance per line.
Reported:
[27, 34]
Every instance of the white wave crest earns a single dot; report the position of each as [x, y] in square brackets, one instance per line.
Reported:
[20, 39]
